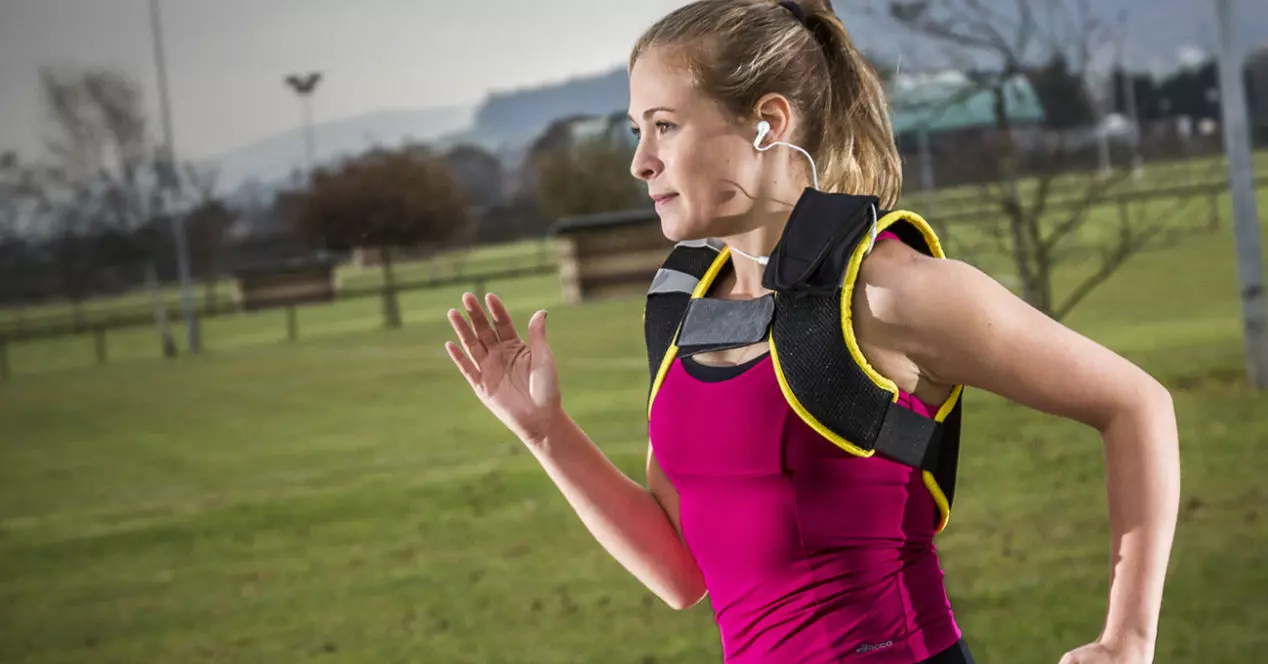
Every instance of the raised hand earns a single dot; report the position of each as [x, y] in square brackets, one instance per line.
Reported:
[1136, 651]
[515, 380]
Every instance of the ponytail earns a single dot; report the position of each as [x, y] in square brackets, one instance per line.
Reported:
[858, 153]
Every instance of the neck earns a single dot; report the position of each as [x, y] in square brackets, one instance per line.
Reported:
[757, 233]
[764, 231]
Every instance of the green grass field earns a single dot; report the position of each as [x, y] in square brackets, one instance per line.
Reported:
[346, 499]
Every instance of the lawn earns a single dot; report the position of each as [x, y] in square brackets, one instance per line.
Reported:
[346, 499]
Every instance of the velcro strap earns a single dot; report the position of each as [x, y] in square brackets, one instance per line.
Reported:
[713, 324]
[909, 438]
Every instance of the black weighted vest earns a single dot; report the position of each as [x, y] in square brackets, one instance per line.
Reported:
[821, 371]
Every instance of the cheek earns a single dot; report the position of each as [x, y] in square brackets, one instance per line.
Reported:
[714, 175]
[714, 179]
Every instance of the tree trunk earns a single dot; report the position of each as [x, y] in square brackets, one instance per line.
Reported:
[209, 295]
[77, 312]
[391, 307]
[210, 281]
[167, 343]
[1011, 198]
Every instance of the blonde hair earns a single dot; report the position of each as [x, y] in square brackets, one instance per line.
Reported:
[736, 51]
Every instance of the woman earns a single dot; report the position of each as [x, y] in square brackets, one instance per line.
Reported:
[787, 585]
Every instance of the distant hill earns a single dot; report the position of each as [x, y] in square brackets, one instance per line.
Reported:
[273, 159]
[517, 117]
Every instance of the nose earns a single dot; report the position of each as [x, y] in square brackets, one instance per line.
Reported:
[645, 165]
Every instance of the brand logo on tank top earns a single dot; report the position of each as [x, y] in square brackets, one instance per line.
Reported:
[868, 647]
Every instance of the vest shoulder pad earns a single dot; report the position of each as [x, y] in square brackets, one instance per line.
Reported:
[818, 240]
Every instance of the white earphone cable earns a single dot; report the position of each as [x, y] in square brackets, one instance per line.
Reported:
[814, 170]
[762, 129]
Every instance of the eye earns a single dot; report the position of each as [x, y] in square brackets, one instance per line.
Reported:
[635, 131]
[663, 127]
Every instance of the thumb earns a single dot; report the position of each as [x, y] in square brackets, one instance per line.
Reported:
[543, 383]
[537, 335]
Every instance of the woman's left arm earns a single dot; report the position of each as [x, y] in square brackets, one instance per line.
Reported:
[959, 326]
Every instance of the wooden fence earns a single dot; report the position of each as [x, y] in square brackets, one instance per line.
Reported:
[97, 326]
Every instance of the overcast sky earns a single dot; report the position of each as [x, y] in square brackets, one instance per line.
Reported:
[226, 58]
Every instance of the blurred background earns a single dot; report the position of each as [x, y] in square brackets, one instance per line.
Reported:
[229, 233]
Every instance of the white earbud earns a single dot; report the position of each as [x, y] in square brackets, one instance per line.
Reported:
[763, 128]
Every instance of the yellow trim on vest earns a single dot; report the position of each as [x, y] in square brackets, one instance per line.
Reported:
[805, 415]
[701, 288]
[949, 404]
[851, 276]
[940, 498]
[851, 342]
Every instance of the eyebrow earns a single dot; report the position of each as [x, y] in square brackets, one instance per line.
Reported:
[648, 113]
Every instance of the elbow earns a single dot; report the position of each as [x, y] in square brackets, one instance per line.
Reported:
[683, 592]
[1159, 402]
[1149, 405]
[681, 599]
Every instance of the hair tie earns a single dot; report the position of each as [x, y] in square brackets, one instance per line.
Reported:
[795, 9]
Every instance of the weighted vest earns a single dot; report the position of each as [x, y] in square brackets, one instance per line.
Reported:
[807, 322]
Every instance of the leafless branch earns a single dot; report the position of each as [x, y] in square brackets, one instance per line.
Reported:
[1128, 243]
[1093, 193]
[202, 180]
[1026, 28]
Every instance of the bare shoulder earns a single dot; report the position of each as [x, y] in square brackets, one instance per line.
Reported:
[959, 326]
[900, 290]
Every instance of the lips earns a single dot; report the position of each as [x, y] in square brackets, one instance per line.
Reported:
[660, 199]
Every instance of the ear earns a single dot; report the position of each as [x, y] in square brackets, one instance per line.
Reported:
[776, 110]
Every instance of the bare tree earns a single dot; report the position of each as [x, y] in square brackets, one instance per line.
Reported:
[109, 184]
[209, 222]
[12, 174]
[15, 180]
[1045, 208]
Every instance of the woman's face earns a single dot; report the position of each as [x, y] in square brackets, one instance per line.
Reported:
[699, 162]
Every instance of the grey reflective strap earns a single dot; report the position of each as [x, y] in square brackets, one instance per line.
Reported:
[672, 281]
[712, 324]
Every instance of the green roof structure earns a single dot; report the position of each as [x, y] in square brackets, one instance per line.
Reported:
[949, 101]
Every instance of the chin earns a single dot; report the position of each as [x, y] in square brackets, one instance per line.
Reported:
[677, 229]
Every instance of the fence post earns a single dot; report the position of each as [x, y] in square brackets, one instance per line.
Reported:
[1213, 204]
[4, 358]
[292, 323]
[99, 338]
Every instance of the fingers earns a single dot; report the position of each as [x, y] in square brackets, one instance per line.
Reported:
[501, 318]
[470, 341]
[479, 322]
[468, 368]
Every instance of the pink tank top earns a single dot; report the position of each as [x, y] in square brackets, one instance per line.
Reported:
[810, 554]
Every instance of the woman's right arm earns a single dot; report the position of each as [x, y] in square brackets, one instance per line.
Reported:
[519, 382]
[638, 526]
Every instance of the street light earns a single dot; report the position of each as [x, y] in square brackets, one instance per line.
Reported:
[1245, 215]
[169, 183]
[304, 85]
[1128, 92]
